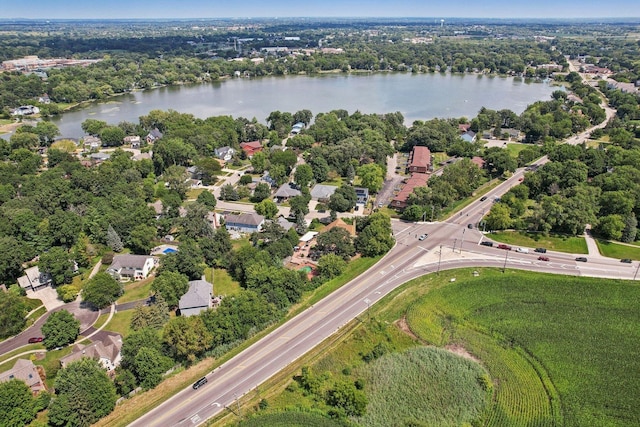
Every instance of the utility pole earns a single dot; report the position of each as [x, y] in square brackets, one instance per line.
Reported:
[634, 276]
[454, 245]
[368, 302]
[463, 230]
[237, 404]
[439, 259]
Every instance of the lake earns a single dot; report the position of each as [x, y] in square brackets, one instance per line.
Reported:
[416, 96]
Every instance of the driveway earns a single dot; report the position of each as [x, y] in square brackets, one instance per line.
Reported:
[48, 296]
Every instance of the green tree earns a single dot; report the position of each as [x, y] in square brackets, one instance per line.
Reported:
[499, 217]
[610, 227]
[171, 285]
[261, 192]
[112, 136]
[84, 394]
[343, 199]
[330, 266]
[17, 404]
[141, 239]
[336, 241]
[376, 238]
[57, 262]
[303, 175]
[67, 293]
[188, 261]
[93, 126]
[228, 193]
[113, 240]
[267, 208]
[12, 312]
[150, 364]
[102, 290]
[207, 199]
[216, 248]
[259, 162]
[152, 316]
[24, 140]
[60, 329]
[371, 177]
[12, 254]
[186, 337]
[347, 399]
[195, 223]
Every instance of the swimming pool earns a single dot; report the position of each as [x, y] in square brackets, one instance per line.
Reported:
[169, 251]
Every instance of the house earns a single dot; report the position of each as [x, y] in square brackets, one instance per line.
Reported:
[284, 223]
[285, 192]
[244, 223]
[322, 192]
[363, 195]
[463, 127]
[478, 161]
[297, 128]
[194, 172]
[251, 148]
[267, 178]
[198, 298]
[44, 99]
[34, 280]
[99, 157]
[307, 239]
[153, 136]
[91, 142]
[136, 267]
[25, 110]
[419, 160]
[339, 223]
[468, 136]
[133, 140]
[107, 352]
[416, 180]
[224, 153]
[24, 370]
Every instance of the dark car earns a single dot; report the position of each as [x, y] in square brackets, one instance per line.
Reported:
[503, 246]
[626, 260]
[486, 243]
[34, 340]
[469, 225]
[540, 250]
[483, 198]
[202, 381]
[543, 258]
[581, 259]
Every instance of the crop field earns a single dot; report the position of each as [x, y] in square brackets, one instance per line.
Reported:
[560, 350]
[291, 419]
[427, 385]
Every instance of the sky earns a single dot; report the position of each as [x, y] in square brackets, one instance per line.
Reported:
[163, 9]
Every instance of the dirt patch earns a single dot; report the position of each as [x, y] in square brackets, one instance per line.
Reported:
[461, 351]
[10, 127]
[404, 327]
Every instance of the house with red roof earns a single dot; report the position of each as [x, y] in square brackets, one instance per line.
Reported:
[419, 160]
[251, 148]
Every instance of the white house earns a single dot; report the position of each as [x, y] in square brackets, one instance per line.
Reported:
[136, 267]
[107, 352]
[33, 280]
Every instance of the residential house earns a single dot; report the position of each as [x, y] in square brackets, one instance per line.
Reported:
[107, 352]
[297, 128]
[416, 180]
[339, 223]
[91, 142]
[34, 280]
[25, 110]
[420, 160]
[224, 153]
[322, 192]
[153, 136]
[251, 148]
[468, 136]
[267, 178]
[284, 223]
[44, 99]
[478, 161]
[285, 192]
[308, 239]
[362, 194]
[99, 157]
[198, 298]
[136, 267]
[244, 223]
[24, 370]
[133, 140]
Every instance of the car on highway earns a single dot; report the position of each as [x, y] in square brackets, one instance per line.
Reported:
[34, 340]
[540, 250]
[422, 236]
[486, 243]
[469, 225]
[505, 247]
[522, 250]
[543, 258]
[483, 198]
[626, 260]
[202, 381]
[581, 259]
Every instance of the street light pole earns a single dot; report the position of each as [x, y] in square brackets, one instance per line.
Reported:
[461, 242]
[636, 273]
[439, 259]
[368, 302]
[454, 244]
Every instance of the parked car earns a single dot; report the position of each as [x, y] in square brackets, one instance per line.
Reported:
[541, 250]
[626, 260]
[503, 246]
[522, 250]
[202, 381]
[543, 258]
[34, 340]
[422, 236]
[469, 225]
[483, 198]
[486, 243]
[581, 259]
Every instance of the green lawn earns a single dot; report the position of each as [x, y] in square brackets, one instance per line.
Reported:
[515, 148]
[616, 250]
[119, 322]
[561, 352]
[136, 290]
[554, 242]
[437, 158]
[223, 283]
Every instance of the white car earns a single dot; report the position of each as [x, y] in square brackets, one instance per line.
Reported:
[422, 237]
[522, 250]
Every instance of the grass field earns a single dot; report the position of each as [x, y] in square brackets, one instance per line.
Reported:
[291, 419]
[515, 148]
[223, 283]
[616, 250]
[553, 242]
[119, 322]
[136, 290]
[561, 350]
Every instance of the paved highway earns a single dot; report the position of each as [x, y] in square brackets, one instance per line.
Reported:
[449, 245]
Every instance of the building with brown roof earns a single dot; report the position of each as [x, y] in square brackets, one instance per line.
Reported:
[107, 352]
[416, 180]
[251, 148]
[419, 160]
[351, 228]
[24, 370]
